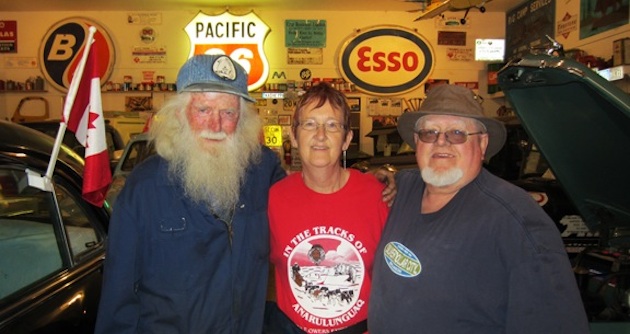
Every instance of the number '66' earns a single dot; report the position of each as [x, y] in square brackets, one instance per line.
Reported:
[240, 55]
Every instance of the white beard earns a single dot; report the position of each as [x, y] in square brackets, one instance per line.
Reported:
[212, 177]
[442, 179]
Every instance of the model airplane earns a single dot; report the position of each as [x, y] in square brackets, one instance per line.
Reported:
[437, 7]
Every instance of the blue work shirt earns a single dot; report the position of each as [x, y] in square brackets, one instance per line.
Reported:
[172, 266]
[490, 261]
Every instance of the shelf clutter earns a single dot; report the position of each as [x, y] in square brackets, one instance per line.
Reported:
[615, 73]
[293, 85]
[128, 86]
[30, 84]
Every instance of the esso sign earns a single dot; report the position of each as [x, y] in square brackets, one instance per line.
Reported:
[386, 60]
[380, 61]
[241, 37]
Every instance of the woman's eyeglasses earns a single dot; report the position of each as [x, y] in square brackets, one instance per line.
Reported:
[329, 126]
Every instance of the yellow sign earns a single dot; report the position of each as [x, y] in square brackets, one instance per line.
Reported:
[386, 60]
[239, 36]
[273, 135]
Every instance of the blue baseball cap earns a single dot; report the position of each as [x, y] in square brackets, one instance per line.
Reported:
[213, 73]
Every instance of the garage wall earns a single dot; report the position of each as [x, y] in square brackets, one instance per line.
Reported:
[32, 27]
[170, 33]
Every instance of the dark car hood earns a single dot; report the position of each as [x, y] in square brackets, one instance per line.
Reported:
[581, 124]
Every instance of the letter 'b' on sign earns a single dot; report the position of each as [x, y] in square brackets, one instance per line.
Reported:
[62, 48]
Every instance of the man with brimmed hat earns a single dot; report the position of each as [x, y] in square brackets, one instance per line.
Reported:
[464, 251]
[188, 239]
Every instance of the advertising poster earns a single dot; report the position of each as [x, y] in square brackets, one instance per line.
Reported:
[8, 36]
[305, 56]
[455, 38]
[305, 33]
[460, 54]
[144, 18]
[527, 26]
[597, 16]
[149, 54]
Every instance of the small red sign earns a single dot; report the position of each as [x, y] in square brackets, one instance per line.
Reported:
[468, 84]
[457, 38]
[8, 36]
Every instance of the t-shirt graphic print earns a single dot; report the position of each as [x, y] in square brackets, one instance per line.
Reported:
[325, 274]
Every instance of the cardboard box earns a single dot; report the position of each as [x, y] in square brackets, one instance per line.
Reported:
[621, 52]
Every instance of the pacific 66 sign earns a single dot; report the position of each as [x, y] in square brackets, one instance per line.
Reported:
[386, 60]
[63, 46]
[240, 37]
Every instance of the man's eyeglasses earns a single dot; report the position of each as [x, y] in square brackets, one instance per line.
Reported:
[329, 126]
[452, 136]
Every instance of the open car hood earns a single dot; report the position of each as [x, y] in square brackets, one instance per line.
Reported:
[581, 124]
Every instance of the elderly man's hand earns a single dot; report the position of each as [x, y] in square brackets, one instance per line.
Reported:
[385, 174]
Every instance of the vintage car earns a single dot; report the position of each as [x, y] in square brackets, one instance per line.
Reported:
[137, 150]
[580, 122]
[521, 162]
[52, 241]
[115, 143]
[128, 123]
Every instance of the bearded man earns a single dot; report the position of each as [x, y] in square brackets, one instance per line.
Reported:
[464, 251]
[188, 239]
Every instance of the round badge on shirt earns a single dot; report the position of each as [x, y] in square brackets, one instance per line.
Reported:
[402, 261]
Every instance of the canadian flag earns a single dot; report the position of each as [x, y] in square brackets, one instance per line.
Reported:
[87, 122]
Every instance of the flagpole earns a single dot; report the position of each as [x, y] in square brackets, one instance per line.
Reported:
[72, 93]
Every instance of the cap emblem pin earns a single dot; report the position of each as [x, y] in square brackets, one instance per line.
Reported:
[224, 68]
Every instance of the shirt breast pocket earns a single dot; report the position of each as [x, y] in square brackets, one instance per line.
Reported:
[168, 262]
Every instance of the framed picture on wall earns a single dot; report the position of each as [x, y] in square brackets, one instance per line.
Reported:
[354, 103]
[284, 119]
[138, 103]
[434, 82]
[270, 120]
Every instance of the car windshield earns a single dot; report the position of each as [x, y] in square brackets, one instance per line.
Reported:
[138, 151]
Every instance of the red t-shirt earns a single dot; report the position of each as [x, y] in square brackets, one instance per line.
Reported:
[322, 247]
